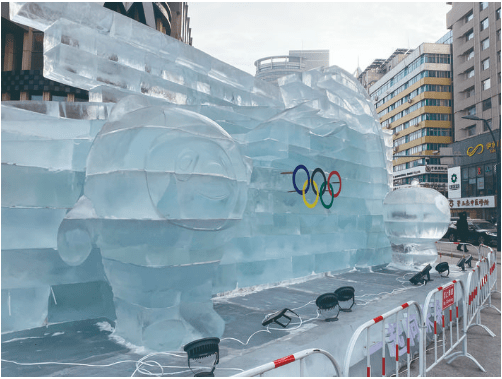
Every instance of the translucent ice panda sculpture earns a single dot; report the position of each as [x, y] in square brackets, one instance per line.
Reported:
[163, 188]
[415, 218]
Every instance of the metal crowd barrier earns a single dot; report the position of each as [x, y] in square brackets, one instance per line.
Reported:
[479, 292]
[291, 358]
[411, 331]
[446, 318]
[492, 274]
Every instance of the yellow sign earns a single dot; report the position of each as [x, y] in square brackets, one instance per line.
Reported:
[471, 151]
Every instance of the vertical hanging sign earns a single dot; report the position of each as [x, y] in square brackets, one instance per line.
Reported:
[448, 296]
[454, 186]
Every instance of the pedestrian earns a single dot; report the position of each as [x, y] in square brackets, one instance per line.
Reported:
[462, 230]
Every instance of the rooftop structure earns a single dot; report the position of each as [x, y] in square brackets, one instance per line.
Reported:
[272, 68]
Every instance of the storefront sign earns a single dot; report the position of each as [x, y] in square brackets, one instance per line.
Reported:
[473, 202]
[480, 148]
[454, 186]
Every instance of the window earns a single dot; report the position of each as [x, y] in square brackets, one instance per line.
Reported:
[469, 17]
[483, 5]
[485, 44]
[484, 24]
[471, 130]
[497, 16]
[486, 64]
[469, 55]
[37, 52]
[485, 128]
[469, 35]
[487, 104]
[471, 111]
[469, 73]
[485, 84]
[469, 92]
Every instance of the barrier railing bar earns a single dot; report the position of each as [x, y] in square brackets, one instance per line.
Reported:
[300, 356]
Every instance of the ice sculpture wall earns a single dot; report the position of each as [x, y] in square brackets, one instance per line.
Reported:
[167, 244]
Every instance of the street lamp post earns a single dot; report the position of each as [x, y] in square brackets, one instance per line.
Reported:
[497, 168]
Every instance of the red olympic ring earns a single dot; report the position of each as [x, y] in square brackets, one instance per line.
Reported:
[339, 179]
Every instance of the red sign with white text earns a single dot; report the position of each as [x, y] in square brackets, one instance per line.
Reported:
[448, 296]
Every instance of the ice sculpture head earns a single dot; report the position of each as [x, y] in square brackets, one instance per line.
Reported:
[415, 218]
[158, 163]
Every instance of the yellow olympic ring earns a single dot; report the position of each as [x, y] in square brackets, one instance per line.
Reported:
[303, 194]
[471, 151]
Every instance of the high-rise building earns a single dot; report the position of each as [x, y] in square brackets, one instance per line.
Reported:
[475, 30]
[413, 100]
[272, 68]
[22, 49]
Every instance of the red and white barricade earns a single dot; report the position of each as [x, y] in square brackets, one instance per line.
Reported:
[492, 274]
[300, 356]
[478, 293]
[445, 315]
[390, 333]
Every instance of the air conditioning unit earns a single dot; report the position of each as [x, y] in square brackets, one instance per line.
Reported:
[396, 149]
[410, 101]
[376, 98]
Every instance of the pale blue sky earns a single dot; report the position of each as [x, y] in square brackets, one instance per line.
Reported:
[239, 33]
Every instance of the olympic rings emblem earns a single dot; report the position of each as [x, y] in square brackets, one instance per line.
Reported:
[319, 192]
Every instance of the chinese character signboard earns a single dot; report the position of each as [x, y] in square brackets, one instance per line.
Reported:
[473, 202]
[454, 187]
[448, 296]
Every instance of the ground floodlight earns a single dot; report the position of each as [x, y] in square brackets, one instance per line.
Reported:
[345, 294]
[278, 318]
[461, 263]
[203, 348]
[418, 279]
[442, 267]
[326, 302]
[426, 272]
[468, 260]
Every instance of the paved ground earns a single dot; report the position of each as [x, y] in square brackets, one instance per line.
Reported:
[484, 348]
[88, 342]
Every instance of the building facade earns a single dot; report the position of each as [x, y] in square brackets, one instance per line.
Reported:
[272, 68]
[475, 30]
[22, 50]
[413, 99]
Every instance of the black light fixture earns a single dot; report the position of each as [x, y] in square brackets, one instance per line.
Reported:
[442, 267]
[278, 318]
[419, 278]
[426, 271]
[461, 263]
[327, 302]
[345, 294]
[203, 348]
[468, 261]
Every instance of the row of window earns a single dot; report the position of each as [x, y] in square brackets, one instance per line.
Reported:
[471, 130]
[478, 180]
[426, 116]
[411, 95]
[425, 58]
[416, 78]
[425, 178]
[418, 105]
[417, 162]
[425, 132]
[417, 149]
